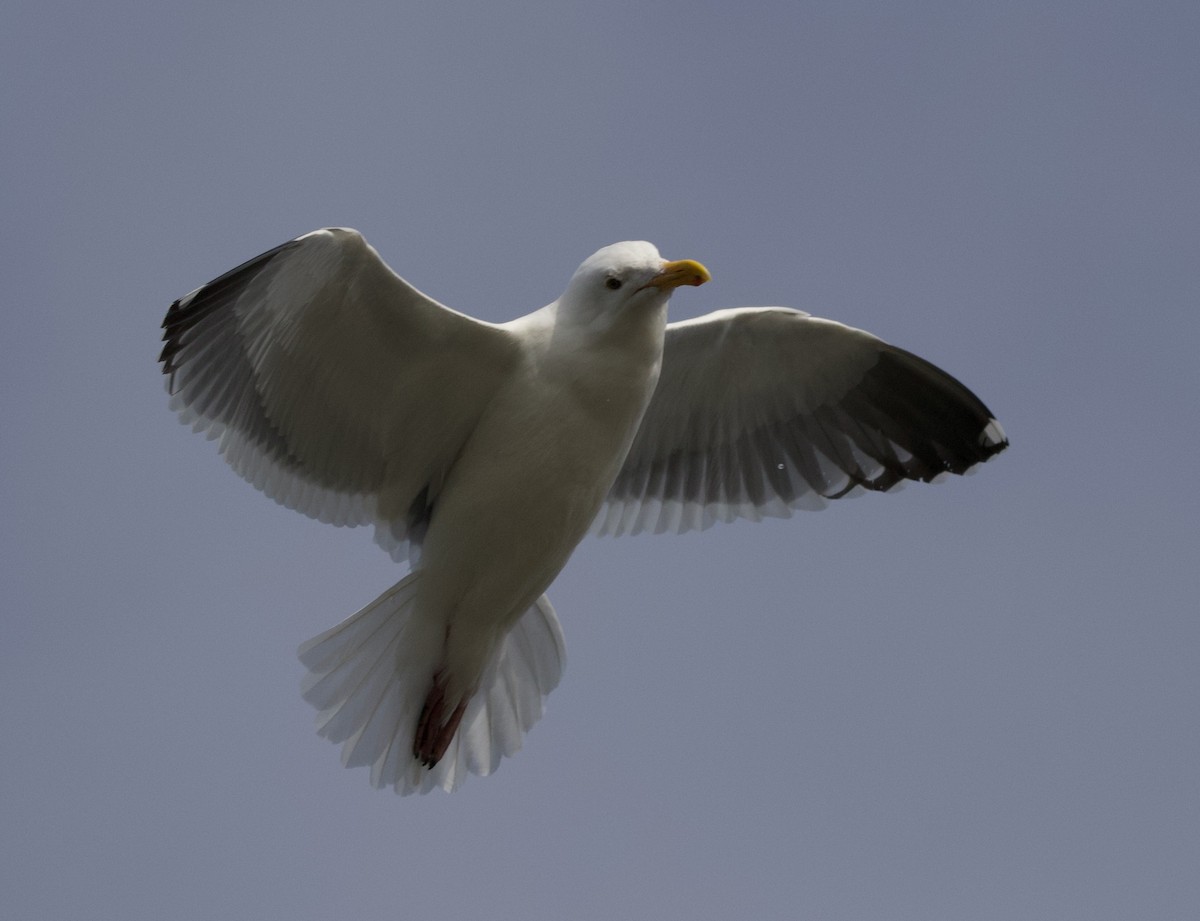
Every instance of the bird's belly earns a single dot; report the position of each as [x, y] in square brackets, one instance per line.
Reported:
[512, 510]
[510, 519]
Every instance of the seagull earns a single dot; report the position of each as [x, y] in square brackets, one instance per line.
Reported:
[483, 453]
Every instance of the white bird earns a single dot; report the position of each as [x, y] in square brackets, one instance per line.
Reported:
[483, 453]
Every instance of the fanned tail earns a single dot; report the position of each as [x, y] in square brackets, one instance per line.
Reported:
[369, 677]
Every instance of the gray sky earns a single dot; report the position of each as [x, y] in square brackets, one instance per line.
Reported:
[970, 701]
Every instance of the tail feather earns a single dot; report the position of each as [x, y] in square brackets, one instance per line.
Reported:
[526, 668]
[369, 677]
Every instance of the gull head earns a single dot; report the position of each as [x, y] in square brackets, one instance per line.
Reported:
[624, 275]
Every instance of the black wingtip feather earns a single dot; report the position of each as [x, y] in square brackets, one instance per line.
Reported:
[934, 416]
[187, 311]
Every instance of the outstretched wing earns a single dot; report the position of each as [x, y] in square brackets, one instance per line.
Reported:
[760, 411]
[333, 385]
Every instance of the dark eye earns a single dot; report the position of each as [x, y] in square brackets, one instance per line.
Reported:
[612, 283]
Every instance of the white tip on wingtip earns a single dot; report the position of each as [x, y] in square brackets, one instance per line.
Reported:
[992, 434]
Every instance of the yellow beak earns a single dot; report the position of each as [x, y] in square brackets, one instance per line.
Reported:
[681, 272]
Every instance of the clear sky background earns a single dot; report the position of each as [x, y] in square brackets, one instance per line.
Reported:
[977, 700]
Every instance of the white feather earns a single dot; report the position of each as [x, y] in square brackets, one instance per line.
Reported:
[368, 677]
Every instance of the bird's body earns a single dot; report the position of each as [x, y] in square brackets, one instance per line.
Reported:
[485, 452]
[523, 494]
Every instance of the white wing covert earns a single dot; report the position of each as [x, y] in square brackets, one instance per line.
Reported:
[312, 364]
[760, 411]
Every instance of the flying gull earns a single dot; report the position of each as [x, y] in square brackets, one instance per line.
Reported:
[482, 454]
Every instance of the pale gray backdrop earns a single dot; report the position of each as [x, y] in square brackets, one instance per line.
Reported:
[970, 701]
